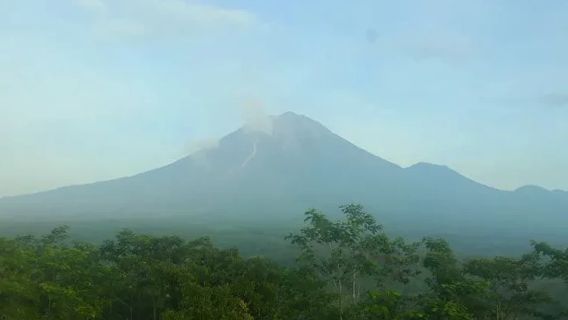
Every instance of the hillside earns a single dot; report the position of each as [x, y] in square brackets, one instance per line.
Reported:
[274, 174]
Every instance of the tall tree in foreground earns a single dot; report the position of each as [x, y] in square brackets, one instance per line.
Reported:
[348, 251]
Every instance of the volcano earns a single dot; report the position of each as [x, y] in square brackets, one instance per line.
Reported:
[296, 163]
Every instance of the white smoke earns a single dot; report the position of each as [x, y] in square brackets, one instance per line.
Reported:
[255, 117]
[201, 145]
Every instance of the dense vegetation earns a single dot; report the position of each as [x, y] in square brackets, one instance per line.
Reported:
[347, 269]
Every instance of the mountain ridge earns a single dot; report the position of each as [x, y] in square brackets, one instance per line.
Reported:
[293, 115]
[277, 170]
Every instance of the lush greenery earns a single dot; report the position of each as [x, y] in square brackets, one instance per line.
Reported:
[346, 269]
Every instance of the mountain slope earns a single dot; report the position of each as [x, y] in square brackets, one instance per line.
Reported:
[275, 174]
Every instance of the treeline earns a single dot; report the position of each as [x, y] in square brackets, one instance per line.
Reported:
[346, 269]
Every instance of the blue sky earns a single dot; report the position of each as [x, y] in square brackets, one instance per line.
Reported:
[97, 89]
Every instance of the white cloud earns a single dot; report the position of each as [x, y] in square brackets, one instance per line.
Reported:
[127, 18]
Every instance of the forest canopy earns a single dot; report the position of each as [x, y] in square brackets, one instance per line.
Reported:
[345, 269]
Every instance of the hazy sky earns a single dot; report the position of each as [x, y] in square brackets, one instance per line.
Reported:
[97, 89]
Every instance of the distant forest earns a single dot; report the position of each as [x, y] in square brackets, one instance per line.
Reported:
[345, 269]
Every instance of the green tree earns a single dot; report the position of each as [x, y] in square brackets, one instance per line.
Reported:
[508, 280]
[345, 252]
[556, 260]
[386, 305]
[452, 296]
[19, 295]
[47, 278]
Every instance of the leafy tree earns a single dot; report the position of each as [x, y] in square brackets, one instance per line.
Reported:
[50, 279]
[508, 280]
[553, 265]
[386, 305]
[452, 296]
[19, 296]
[347, 251]
[556, 264]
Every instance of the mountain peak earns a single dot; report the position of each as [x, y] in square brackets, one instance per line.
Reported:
[531, 189]
[428, 165]
[431, 168]
[290, 123]
[290, 114]
[292, 117]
